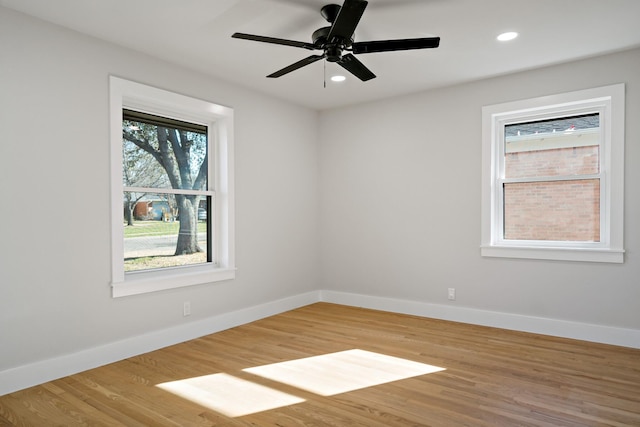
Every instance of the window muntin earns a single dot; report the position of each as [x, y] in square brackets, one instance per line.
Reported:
[215, 203]
[575, 175]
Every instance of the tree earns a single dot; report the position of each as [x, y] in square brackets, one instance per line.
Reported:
[182, 157]
[139, 170]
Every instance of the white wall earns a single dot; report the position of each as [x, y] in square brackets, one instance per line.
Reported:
[400, 204]
[54, 190]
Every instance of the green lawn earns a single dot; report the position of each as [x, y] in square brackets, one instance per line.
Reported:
[157, 228]
[149, 262]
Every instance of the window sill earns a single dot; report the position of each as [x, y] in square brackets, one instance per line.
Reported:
[142, 283]
[556, 254]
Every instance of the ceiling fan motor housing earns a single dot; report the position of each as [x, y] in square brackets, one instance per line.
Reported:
[333, 50]
[319, 37]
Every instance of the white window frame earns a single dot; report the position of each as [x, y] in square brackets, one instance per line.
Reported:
[219, 122]
[609, 102]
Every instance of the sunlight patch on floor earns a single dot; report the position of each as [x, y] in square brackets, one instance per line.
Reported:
[325, 375]
[341, 372]
[229, 395]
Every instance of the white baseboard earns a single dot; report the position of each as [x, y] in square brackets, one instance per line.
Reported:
[32, 374]
[25, 376]
[539, 325]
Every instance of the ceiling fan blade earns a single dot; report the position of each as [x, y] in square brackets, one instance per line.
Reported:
[347, 19]
[306, 61]
[391, 45]
[355, 67]
[273, 40]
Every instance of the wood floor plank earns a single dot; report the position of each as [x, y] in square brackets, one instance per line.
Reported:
[491, 377]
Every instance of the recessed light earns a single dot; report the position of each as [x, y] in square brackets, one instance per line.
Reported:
[507, 36]
[338, 78]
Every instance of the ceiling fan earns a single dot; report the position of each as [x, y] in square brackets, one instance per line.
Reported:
[337, 39]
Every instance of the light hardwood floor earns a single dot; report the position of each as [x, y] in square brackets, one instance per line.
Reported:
[490, 377]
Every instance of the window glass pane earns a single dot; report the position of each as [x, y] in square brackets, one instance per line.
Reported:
[558, 210]
[163, 157]
[566, 146]
[165, 230]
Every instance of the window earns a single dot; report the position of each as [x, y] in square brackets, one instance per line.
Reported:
[172, 190]
[552, 184]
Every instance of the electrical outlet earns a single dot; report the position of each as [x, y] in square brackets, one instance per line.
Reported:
[452, 294]
[186, 308]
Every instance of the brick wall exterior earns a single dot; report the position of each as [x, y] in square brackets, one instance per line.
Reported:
[554, 162]
[553, 210]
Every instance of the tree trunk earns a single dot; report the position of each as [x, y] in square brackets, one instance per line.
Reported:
[188, 236]
[129, 213]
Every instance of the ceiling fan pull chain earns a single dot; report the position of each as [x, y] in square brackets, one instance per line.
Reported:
[325, 73]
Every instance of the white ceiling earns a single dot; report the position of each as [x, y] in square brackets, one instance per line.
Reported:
[197, 34]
